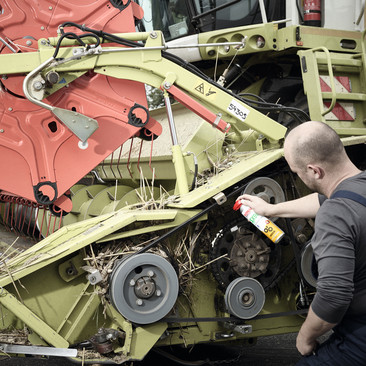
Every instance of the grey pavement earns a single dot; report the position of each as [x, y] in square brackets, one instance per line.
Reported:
[269, 351]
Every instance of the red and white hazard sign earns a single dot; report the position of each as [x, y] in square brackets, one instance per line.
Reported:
[342, 111]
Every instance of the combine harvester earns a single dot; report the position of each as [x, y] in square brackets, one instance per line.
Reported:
[119, 221]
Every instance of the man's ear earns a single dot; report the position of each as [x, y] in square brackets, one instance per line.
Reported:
[317, 171]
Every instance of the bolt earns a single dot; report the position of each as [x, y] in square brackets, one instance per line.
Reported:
[43, 42]
[50, 7]
[139, 302]
[87, 126]
[153, 35]
[1, 131]
[83, 145]
[28, 43]
[4, 77]
[150, 273]
[132, 283]
[158, 293]
[10, 109]
[42, 28]
[37, 85]
[92, 279]
[167, 85]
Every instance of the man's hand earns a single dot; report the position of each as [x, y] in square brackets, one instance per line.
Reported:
[312, 328]
[306, 206]
[305, 346]
[259, 205]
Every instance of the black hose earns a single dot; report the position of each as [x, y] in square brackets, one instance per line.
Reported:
[259, 104]
[67, 35]
[194, 182]
[101, 34]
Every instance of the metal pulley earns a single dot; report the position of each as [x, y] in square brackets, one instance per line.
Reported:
[267, 189]
[244, 297]
[309, 268]
[144, 288]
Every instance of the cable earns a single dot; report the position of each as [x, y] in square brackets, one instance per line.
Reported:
[71, 35]
[101, 34]
[260, 104]
[194, 182]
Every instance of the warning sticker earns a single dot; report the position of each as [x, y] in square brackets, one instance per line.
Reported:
[237, 110]
[205, 89]
[201, 88]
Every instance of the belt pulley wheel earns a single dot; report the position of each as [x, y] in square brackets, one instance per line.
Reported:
[308, 265]
[144, 288]
[267, 189]
[244, 297]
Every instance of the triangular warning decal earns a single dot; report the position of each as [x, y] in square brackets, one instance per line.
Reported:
[200, 88]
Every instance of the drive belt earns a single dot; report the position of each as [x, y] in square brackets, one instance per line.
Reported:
[233, 319]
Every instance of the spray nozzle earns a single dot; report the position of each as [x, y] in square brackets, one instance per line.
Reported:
[237, 205]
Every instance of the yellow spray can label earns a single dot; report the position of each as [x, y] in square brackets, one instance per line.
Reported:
[266, 226]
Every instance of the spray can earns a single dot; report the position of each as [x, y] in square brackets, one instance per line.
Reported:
[266, 226]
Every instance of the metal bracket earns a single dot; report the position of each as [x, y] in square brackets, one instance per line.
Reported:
[220, 198]
[81, 126]
[239, 328]
[94, 277]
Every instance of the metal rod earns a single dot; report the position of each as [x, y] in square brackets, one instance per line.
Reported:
[263, 11]
[29, 77]
[173, 131]
[8, 45]
[38, 350]
[168, 47]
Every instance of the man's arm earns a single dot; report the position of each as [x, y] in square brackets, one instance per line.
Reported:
[312, 328]
[305, 207]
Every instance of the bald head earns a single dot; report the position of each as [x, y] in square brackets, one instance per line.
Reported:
[314, 142]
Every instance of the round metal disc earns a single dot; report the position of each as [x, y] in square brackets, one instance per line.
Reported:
[267, 189]
[244, 297]
[144, 288]
[308, 265]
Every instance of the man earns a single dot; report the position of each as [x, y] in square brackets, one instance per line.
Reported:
[315, 153]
